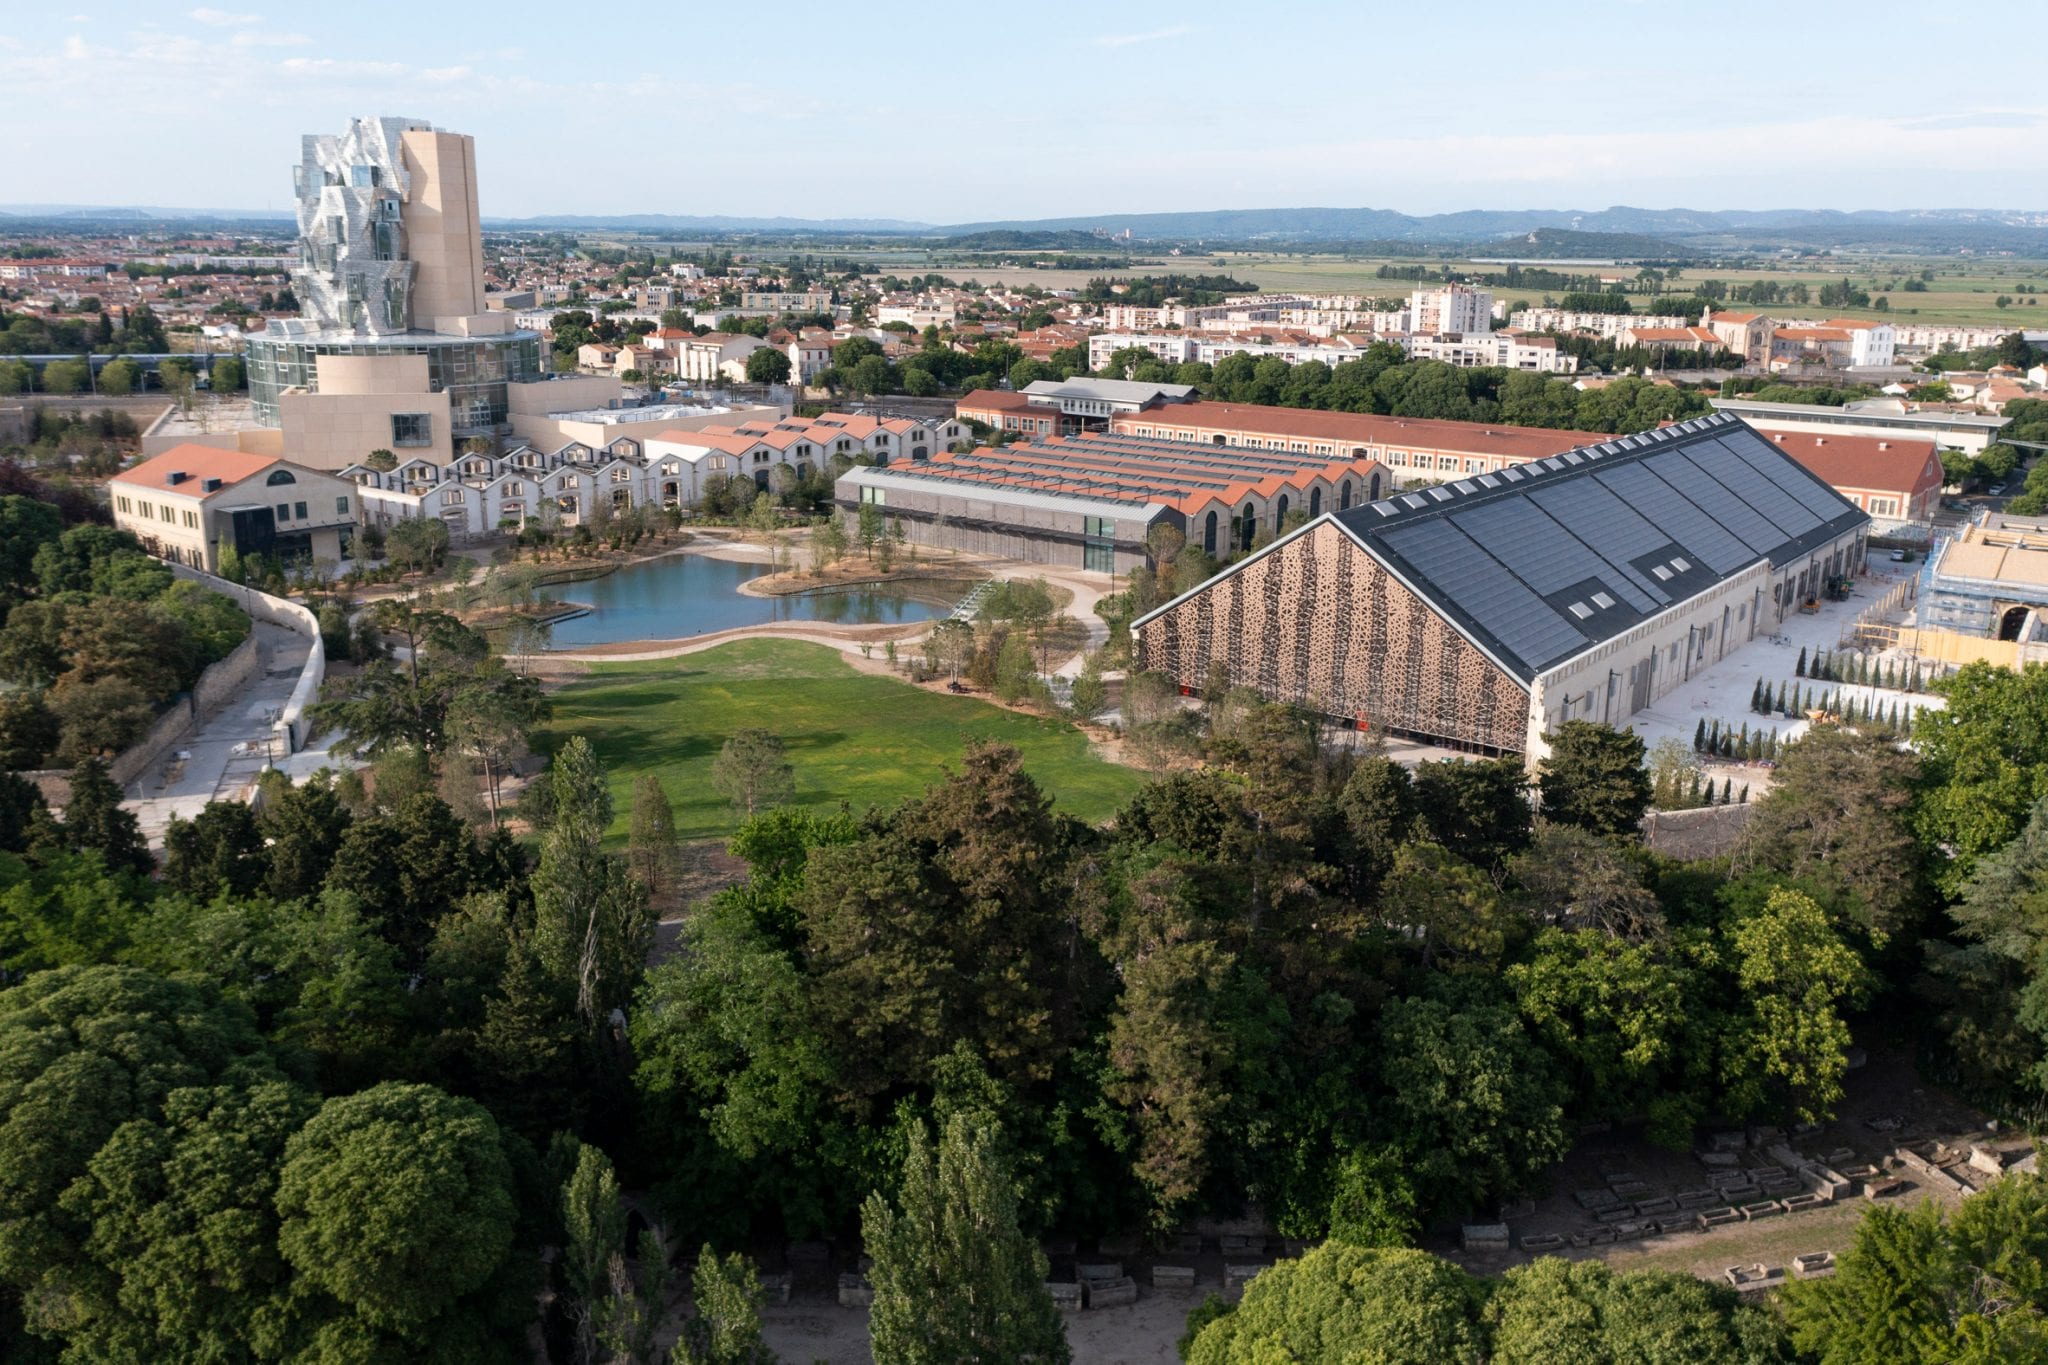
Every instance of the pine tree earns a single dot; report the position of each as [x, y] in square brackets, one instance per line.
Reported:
[94, 821]
[1800, 667]
[954, 1278]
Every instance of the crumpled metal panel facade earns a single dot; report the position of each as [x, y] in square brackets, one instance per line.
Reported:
[353, 274]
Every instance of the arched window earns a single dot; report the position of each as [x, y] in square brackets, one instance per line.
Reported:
[1374, 495]
[278, 476]
[1248, 526]
[1280, 514]
[1209, 535]
[1344, 496]
[1315, 503]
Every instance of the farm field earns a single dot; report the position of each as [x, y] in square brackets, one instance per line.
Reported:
[853, 737]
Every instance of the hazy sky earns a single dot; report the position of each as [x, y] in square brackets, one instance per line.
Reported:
[955, 111]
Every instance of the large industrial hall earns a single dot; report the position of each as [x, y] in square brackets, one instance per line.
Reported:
[1480, 614]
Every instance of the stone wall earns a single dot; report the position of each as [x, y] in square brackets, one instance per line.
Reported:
[291, 616]
[221, 680]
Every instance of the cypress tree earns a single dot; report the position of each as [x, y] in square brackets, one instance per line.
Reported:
[1800, 667]
[1779, 706]
[1699, 736]
[1745, 794]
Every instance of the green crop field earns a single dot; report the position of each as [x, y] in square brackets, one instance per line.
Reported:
[853, 737]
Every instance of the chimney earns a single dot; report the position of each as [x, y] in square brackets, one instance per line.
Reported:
[174, 478]
[1884, 445]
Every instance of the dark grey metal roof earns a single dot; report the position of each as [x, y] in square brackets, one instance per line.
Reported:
[1545, 560]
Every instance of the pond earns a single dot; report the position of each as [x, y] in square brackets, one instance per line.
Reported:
[678, 596]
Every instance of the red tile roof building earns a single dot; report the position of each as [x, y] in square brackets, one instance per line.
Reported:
[1892, 480]
[1412, 448]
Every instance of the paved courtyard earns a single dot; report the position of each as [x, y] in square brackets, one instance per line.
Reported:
[1722, 692]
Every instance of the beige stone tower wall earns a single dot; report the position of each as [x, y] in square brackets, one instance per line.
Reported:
[1320, 622]
[443, 233]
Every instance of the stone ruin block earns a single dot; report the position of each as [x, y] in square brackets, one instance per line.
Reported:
[1698, 1199]
[1763, 1208]
[1650, 1208]
[1718, 1161]
[1927, 1173]
[775, 1287]
[1629, 1189]
[1882, 1187]
[1860, 1171]
[1597, 1201]
[1754, 1279]
[1236, 1275]
[1098, 1270]
[1839, 1156]
[1519, 1209]
[1669, 1226]
[855, 1292]
[1615, 1215]
[1118, 1248]
[1713, 1218]
[1813, 1265]
[1830, 1185]
[1485, 1237]
[1727, 1140]
[1741, 1194]
[1988, 1160]
[1762, 1135]
[1065, 1297]
[1244, 1246]
[1799, 1203]
[1539, 1242]
[1173, 1276]
[1110, 1293]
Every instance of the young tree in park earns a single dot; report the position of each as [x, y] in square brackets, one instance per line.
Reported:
[951, 645]
[753, 772]
[1796, 979]
[651, 846]
[955, 1279]
[869, 529]
[1410, 1305]
[1593, 777]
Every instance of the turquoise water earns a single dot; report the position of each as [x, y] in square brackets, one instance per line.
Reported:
[678, 596]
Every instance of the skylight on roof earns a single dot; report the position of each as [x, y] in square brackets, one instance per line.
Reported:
[1415, 500]
[1573, 457]
[1511, 473]
[1680, 564]
[1440, 494]
[1488, 481]
[1663, 574]
[1580, 610]
[1602, 601]
[1462, 486]
[1385, 509]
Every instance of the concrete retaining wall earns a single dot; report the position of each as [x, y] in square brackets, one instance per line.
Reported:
[291, 616]
[220, 681]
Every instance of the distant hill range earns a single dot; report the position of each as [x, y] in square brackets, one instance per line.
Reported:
[1620, 232]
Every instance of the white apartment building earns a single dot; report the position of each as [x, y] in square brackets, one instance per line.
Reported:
[1504, 350]
[1175, 348]
[1607, 325]
[712, 358]
[782, 301]
[1452, 308]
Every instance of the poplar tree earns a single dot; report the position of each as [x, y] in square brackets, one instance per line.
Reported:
[651, 846]
[955, 1279]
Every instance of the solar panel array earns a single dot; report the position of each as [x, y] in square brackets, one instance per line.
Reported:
[1644, 522]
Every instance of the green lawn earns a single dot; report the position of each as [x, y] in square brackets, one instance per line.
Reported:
[853, 737]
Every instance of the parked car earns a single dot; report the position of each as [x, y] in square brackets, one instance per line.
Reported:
[1994, 490]
[1898, 556]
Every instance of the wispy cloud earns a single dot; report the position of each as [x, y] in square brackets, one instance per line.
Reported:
[1153, 36]
[1982, 118]
[248, 38]
[220, 18]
